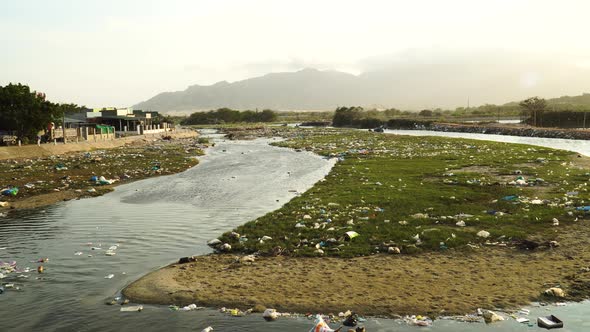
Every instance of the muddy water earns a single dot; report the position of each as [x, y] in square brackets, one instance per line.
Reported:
[153, 222]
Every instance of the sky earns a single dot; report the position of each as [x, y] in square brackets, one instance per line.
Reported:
[121, 52]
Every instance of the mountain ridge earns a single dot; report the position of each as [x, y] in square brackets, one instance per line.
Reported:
[401, 85]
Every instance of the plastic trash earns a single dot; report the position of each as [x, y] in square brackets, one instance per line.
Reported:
[60, 167]
[351, 320]
[511, 198]
[270, 315]
[189, 307]
[207, 329]
[135, 308]
[10, 191]
[110, 276]
[350, 235]
[320, 325]
[483, 234]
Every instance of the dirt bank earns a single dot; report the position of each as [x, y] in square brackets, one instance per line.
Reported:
[453, 282]
[49, 149]
[60, 172]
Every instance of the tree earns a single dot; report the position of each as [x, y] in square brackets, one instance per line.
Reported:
[26, 112]
[346, 116]
[425, 113]
[534, 106]
[267, 116]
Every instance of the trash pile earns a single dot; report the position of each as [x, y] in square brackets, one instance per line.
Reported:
[80, 172]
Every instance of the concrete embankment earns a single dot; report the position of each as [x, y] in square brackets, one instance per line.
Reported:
[49, 149]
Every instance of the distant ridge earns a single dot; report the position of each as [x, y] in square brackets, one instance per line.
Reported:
[403, 85]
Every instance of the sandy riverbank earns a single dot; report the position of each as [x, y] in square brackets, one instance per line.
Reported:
[125, 160]
[453, 282]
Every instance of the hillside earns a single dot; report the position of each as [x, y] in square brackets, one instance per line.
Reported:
[410, 84]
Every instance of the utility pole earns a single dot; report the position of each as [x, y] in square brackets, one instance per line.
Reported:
[63, 125]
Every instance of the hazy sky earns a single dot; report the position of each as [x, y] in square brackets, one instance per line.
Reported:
[118, 52]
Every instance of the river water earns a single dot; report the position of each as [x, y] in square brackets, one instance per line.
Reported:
[155, 221]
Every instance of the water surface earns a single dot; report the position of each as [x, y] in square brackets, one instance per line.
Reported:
[155, 221]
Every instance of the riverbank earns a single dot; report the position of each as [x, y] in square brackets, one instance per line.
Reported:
[435, 284]
[49, 173]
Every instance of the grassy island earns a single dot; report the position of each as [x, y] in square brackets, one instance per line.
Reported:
[402, 225]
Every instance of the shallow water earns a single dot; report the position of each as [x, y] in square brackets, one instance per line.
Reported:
[576, 145]
[154, 222]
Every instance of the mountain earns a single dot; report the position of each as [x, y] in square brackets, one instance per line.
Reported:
[583, 100]
[415, 82]
[305, 89]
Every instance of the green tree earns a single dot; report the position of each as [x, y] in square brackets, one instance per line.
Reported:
[26, 112]
[534, 108]
[346, 116]
[425, 113]
[267, 116]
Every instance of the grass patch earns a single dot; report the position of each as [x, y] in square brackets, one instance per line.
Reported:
[399, 191]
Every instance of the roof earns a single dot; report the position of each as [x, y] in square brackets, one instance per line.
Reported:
[72, 120]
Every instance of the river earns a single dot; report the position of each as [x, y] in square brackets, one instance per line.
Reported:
[154, 222]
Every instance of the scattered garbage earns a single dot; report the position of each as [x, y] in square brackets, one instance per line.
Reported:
[207, 329]
[184, 260]
[484, 234]
[393, 250]
[9, 191]
[110, 276]
[136, 308]
[214, 243]
[270, 315]
[350, 235]
[555, 292]
[418, 320]
[248, 259]
[320, 325]
[549, 322]
[190, 307]
[490, 317]
[351, 319]
[60, 167]
[511, 198]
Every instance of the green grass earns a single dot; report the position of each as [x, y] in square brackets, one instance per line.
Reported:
[384, 179]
